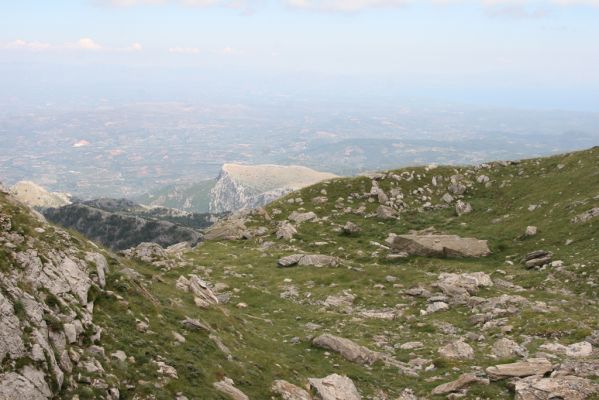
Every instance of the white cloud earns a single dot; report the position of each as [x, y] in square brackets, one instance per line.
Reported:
[345, 5]
[83, 44]
[184, 50]
[26, 45]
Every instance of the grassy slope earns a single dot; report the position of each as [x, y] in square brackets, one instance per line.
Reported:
[259, 336]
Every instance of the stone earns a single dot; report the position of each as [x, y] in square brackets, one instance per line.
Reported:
[204, 297]
[228, 229]
[437, 306]
[463, 381]
[457, 188]
[562, 387]
[119, 355]
[147, 251]
[586, 216]
[298, 217]
[286, 231]
[288, 391]
[384, 212]
[348, 349]
[316, 260]
[438, 245]
[463, 284]
[447, 198]
[344, 300]
[335, 387]
[17, 386]
[507, 348]
[537, 258]
[581, 349]
[350, 228]
[530, 230]
[531, 366]
[457, 350]
[101, 266]
[462, 208]
[411, 345]
[195, 325]
[227, 387]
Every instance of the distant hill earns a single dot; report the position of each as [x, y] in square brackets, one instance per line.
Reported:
[120, 224]
[237, 187]
[34, 195]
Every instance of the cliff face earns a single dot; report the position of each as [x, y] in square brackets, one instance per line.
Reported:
[241, 187]
[46, 282]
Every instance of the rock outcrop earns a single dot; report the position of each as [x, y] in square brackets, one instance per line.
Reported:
[438, 245]
[34, 195]
[241, 187]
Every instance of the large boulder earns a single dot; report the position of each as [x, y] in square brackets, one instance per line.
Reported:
[462, 382]
[316, 260]
[348, 349]
[438, 245]
[228, 229]
[286, 231]
[561, 387]
[299, 217]
[288, 391]
[227, 388]
[458, 350]
[532, 366]
[335, 387]
[586, 216]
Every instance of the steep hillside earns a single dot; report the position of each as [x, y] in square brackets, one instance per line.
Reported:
[121, 224]
[331, 289]
[36, 196]
[187, 197]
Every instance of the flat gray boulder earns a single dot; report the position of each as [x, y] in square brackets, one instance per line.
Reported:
[532, 366]
[438, 245]
[315, 260]
[348, 349]
[335, 387]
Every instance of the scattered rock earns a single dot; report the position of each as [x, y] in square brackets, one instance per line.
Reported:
[581, 349]
[348, 349]
[507, 348]
[288, 391]
[463, 381]
[350, 228]
[438, 245]
[458, 350]
[530, 230]
[316, 260]
[227, 387]
[298, 217]
[286, 231]
[586, 216]
[335, 387]
[537, 258]
[384, 212]
[531, 366]
[462, 208]
[563, 387]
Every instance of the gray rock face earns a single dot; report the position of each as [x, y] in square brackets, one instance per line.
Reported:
[463, 381]
[228, 229]
[298, 217]
[586, 216]
[204, 297]
[439, 245]
[531, 366]
[563, 387]
[227, 388]
[288, 391]
[315, 260]
[507, 348]
[286, 231]
[537, 258]
[462, 208]
[458, 350]
[335, 387]
[348, 349]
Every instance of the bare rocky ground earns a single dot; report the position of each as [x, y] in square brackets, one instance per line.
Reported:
[422, 283]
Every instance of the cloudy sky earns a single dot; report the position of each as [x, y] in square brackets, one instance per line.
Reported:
[521, 53]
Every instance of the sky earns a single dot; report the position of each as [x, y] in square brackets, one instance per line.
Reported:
[507, 53]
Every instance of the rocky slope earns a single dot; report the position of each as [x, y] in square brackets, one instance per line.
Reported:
[120, 224]
[48, 284]
[421, 283]
[241, 187]
[36, 196]
[237, 187]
